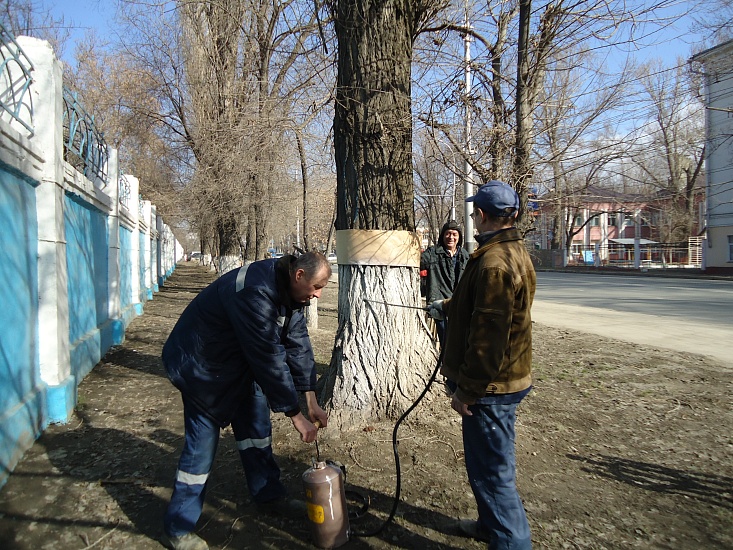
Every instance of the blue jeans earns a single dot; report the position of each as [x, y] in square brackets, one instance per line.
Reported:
[253, 432]
[488, 441]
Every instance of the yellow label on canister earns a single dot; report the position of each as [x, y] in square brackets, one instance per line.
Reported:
[316, 513]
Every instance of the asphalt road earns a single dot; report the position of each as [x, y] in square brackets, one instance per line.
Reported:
[691, 315]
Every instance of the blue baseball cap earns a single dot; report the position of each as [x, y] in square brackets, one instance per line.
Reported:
[496, 198]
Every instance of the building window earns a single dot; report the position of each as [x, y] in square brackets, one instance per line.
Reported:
[612, 221]
[730, 248]
[578, 220]
[595, 221]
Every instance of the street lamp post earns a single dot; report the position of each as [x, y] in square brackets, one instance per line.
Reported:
[470, 242]
[453, 190]
[453, 185]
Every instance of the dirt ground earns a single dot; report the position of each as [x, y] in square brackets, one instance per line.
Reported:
[618, 446]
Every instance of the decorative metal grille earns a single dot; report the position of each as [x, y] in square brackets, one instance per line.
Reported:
[15, 80]
[124, 191]
[84, 145]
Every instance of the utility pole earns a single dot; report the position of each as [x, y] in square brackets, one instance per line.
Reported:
[297, 227]
[453, 192]
[637, 238]
[470, 242]
[454, 169]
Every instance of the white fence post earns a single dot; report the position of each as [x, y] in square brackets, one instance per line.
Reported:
[163, 248]
[134, 210]
[155, 237]
[147, 232]
[53, 302]
[114, 309]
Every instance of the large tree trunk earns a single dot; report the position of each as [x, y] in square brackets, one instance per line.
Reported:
[373, 124]
[498, 145]
[304, 177]
[382, 357]
[228, 237]
[383, 354]
[523, 144]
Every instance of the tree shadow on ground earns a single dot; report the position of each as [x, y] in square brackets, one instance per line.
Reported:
[653, 477]
[136, 474]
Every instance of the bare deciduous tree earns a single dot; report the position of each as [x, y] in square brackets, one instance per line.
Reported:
[671, 152]
[569, 158]
[436, 171]
[716, 18]
[383, 354]
[31, 18]
[225, 75]
[519, 45]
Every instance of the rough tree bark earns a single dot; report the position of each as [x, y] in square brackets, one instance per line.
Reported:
[498, 145]
[383, 355]
[304, 177]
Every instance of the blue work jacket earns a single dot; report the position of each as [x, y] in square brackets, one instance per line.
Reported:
[243, 327]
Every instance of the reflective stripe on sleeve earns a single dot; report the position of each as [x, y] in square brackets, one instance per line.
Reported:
[254, 443]
[241, 275]
[191, 479]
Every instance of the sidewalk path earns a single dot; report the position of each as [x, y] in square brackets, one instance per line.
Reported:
[103, 479]
[674, 333]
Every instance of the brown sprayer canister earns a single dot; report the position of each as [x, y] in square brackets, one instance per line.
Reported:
[325, 497]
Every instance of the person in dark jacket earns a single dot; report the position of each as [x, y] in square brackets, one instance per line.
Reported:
[488, 362]
[442, 265]
[240, 350]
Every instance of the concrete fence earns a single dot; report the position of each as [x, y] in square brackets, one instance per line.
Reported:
[78, 260]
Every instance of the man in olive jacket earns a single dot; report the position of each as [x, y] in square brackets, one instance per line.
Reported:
[487, 360]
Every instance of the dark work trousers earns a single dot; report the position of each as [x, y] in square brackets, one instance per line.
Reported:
[440, 329]
[253, 433]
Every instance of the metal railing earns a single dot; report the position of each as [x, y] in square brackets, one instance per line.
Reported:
[651, 255]
[84, 145]
[124, 192]
[15, 81]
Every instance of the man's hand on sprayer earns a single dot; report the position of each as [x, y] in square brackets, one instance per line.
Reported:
[308, 432]
[317, 415]
[435, 310]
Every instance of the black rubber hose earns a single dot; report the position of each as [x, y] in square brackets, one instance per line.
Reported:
[398, 484]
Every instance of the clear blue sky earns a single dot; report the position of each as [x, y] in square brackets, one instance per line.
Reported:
[671, 40]
[82, 15]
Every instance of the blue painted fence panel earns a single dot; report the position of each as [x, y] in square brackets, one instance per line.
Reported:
[125, 268]
[87, 251]
[154, 264]
[22, 393]
[141, 272]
